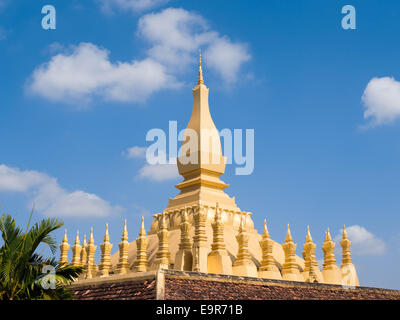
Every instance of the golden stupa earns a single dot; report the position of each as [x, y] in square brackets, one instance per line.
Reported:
[202, 186]
[203, 230]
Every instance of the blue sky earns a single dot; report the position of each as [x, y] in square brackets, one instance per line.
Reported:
[75, 99]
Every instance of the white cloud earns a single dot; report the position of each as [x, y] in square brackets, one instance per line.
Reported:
[50, 198]
[381, 100]
[176, 35]
[135, 152]
[159, 172]
[227, 57]
[77, 75]
[14, 180]
[130, 5]
[363, 242]
[157, 168]
[87, 72]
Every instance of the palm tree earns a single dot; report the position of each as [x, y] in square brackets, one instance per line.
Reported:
[25, 274]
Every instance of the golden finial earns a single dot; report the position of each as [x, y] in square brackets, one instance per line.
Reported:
[328, 235]
[142, 229]
[200, 78]
[308, 236]
[265, 232]
[77, 241]
[288, 235]
[125, 233]
[64, 247]
[106, 236]
[65, 239]
[344, 232]
[91, 239]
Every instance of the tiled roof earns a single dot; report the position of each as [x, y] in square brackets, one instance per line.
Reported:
[183, 285]
[180, 289]
[127, 290]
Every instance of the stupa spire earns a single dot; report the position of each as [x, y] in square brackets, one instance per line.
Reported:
[141, 245]
[308, 236]
[200, 79]
[105, 262]
[268, 268]
[76, 252]
[311, 271]
[142, 231]
[201, 161]
[265, 232]
[64, 247]
[288, 235]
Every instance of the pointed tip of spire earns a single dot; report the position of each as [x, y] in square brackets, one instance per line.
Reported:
[265, 232]
[200, 57]
[106, 235]
[288, 235]
[344, 232]
[200, 79]
[91, 239]
[308, 236]
[77, 241]
[328, 235]
[125, 232]
[65, 239]
[142, 231]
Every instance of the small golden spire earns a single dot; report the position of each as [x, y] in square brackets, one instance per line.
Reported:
[64, 247]
[105, 260]
[77, 241]
[125, 233]
[76, 252]
[65, 239]
[142, 231]
[106, 236]
[91, 239]
[265, 232]
[308, 236]
[328, 236]
[200, 78]
[123, 265]
[288, 235]
[344, 232]
[140, 264]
